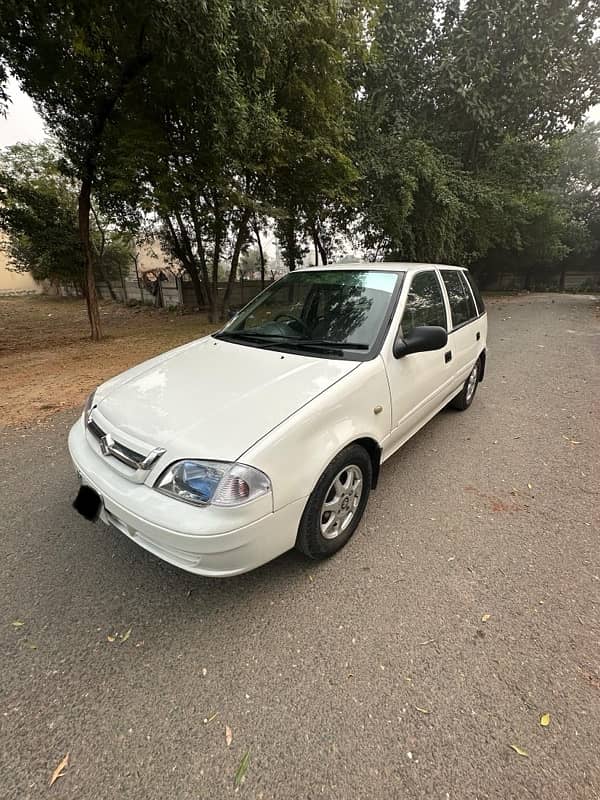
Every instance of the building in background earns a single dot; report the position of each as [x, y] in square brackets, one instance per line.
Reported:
[12, 282]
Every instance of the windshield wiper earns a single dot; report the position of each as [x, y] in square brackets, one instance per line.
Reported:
[336, 345]
[276, 340]
[264, 339]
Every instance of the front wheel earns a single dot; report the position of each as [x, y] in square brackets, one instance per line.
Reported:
[336, 504]
[463, 400]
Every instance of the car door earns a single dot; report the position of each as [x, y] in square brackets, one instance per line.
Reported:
[420, 382]
[467, 331]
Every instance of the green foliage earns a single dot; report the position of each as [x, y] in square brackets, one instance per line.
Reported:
[250, 261]
[432, 130]
[460, 113]
[38, 213]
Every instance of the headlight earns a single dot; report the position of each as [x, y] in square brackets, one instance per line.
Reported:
[89, 404]
[216, 482]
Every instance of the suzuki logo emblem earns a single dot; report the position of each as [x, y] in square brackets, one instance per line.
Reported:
[106, 444]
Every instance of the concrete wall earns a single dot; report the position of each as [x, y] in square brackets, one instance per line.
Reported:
[15, 282]
[574, 282]
[177, 292]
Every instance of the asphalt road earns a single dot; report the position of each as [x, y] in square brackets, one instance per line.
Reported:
[324, 672]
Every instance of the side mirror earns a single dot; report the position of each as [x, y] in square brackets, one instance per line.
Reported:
[420, 340]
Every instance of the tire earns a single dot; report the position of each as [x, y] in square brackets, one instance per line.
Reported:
[322, 532]
[463, 400]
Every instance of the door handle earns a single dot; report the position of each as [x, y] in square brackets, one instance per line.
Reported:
[478, 336]
[448, 356]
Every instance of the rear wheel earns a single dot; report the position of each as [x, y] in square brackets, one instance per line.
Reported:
[336, 504]
[463, 400]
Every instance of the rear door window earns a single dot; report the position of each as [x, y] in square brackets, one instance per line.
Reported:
[461, 300]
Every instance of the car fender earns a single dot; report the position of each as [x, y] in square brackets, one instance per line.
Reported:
[295, 453]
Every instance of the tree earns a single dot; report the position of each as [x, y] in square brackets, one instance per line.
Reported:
[87, 66]
[577, 192]
[252, 261]
[261, 136]
[38, 212]
[457, 110]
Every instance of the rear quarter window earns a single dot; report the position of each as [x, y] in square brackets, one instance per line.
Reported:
[476, 293]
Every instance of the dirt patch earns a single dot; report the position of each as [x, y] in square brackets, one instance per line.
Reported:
[48, 363]
[496, 504]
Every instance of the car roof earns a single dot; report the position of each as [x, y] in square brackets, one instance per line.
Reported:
[380, 266]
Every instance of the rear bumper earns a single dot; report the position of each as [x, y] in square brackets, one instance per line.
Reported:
[198, 540]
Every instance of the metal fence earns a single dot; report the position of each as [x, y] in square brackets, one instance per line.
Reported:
[176, 292]
[515, 282]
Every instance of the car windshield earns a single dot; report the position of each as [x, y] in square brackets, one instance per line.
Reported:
[318, 310]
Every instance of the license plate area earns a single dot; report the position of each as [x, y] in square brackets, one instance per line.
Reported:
[88, 503]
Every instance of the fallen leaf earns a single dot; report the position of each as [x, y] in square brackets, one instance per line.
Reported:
[485, 617]
[519, 751]
[228, 735]
[60, 770]
[111, 638]
[126, 635]
[423, 710]
[242, 769]
[545, 720]
[18, 623]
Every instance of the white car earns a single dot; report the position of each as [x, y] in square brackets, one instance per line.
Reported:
[224, 453]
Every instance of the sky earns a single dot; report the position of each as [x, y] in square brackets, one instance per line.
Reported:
[23, 123]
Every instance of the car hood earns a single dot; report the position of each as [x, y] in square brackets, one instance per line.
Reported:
[214, 399]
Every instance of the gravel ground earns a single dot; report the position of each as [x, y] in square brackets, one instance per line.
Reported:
[378, 674]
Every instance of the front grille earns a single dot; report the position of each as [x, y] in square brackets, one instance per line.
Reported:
[95, 429]
[122, 453]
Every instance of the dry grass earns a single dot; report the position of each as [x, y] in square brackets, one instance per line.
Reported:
[48, 363]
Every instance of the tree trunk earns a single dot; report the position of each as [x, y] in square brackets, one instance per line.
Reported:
[184, 252]
[562, 280]
[289, 229]
[218, 235]
[91, 297]
[196, 283]
[240, 240]
[101, 270]
[140, 283]
[210, 293]
[319, 244]
[123, 287]
[260, 252]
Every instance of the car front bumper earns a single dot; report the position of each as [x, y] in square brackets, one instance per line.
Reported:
[209, 541]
